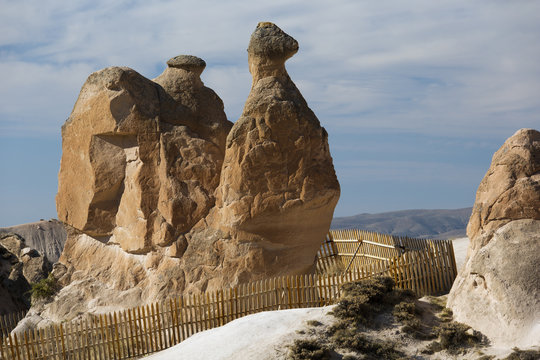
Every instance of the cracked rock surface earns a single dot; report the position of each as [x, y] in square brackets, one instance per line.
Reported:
[498, 289]
[162, 196]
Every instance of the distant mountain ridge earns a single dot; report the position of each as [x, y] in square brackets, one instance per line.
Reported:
[437, 224]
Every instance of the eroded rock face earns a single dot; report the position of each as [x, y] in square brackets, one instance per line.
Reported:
[20, 266]
[278, 187]
[46, 236]
[510, 190]
[163, 200]
[498, 289]
[141, 159]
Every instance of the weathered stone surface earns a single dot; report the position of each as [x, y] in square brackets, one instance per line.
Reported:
[278, 187]
[510, 190]
[498, 290]
[141, 159]
[163, 199]
[20, 266]
[47, 237]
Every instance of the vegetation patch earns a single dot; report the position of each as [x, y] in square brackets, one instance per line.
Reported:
[438, 301]
[44, 289]
[314, 323]
[354, 339]
[446, 315]
[361, 300]
[518, 354]
[308, 350]
[454, 337]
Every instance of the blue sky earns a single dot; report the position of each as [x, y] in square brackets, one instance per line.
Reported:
[415, 95]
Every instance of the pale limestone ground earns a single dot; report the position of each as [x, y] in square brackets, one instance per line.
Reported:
[268, 335]
[262, 336]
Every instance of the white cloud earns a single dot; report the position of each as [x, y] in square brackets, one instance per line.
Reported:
[454, 68]
[357, 59]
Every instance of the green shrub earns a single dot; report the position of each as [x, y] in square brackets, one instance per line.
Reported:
[44, 289]
[308, 350]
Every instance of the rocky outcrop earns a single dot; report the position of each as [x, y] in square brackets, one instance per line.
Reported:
[498, 290]
[162, 198]
[20, 266]
[46, 236]
[278, 187]
[141, 159]
[510, 190]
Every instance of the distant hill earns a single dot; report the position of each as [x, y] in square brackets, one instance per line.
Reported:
[438, 224]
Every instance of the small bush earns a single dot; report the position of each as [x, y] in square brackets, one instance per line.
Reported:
[439, 302]
[44, 289]
[454, 336]
[353, 339]
[314, 323]
[432, 347]
[308, 350]
[362, 299]
[518, 354]
[486, 357]
[405, 311]
[446, 315]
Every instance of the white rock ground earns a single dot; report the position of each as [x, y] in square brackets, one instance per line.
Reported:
[259, 336]
[267, 335]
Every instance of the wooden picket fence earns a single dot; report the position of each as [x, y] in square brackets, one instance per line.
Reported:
[9, 321]
[432, 261]
[424, 267]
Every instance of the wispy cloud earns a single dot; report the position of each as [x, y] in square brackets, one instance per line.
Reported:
[467, 69]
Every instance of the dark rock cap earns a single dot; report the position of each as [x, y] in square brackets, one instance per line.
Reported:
[268, 40]
[187, 62]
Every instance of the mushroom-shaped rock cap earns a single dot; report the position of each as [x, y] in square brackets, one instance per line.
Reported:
[269, 41]
[188, 63]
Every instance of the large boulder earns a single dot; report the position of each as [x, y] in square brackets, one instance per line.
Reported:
[278, 187]
[510, 190]
[498, 289]
[140, 158]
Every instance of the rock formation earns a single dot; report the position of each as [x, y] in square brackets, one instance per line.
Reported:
[498, 289]
[20, 266]
[140, 161]
[46, 236]
[278, 187]
[161, 197]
